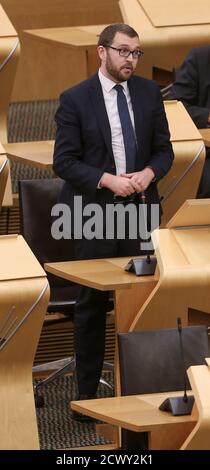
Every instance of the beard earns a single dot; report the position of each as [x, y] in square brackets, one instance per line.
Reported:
[119, 74]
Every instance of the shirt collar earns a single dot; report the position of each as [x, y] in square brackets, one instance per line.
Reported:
[108, 84]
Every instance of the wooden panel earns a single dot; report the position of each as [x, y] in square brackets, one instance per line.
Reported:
[193, 212]
[199, 439]
[183, 179]
[166, 47]
[11, 254]
[9, 54]
[180, 123]
[49, 13]
[49, 60]
[205, 133]
[38, 154]
[23, 305]
[6, 26]
[5, 182]
[163, 13]
[2, 150]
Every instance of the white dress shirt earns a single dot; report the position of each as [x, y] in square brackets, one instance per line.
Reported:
[110, 98]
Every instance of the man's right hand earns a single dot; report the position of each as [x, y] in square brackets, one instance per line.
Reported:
[119, 185]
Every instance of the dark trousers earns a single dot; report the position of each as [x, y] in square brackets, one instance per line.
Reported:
[90, 313]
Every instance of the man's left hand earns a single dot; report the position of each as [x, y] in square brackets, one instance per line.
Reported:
[141, 179]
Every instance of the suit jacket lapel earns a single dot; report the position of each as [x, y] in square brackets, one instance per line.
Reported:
[97, 99]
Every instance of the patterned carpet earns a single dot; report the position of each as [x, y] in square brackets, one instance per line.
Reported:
[56, 428]
[28, 121]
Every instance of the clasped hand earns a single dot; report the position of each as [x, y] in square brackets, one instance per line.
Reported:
[128, 183]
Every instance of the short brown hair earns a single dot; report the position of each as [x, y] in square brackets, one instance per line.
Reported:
[107, 35]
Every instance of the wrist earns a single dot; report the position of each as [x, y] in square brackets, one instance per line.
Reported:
[152, 173]
[105, 180]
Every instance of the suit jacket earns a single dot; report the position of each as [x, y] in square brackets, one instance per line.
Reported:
[192, 85]
[83, 150]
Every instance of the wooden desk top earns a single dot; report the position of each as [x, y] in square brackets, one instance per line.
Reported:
[174, 22]
[81, 36]
[137, 412]
[38, 154]
[101, 274]
[7, 29]
[177, 249]
[176, 14]
[205, 133]
[13, 249]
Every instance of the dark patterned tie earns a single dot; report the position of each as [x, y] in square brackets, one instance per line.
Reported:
[127, 130]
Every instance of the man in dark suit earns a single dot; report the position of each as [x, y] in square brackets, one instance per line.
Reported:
[105, 161]
[192, 87]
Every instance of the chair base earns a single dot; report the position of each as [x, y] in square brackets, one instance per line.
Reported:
[60, 368]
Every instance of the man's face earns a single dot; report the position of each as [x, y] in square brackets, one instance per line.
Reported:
[113, 65]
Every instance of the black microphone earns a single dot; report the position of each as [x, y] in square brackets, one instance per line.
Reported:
[179, 326]
[143, 199]
[179, 406]
[144, 266]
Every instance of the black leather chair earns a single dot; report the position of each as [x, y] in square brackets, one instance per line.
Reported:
[37, 197]
[151, 362]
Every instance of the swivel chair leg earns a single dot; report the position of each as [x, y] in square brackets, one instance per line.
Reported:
[68, 365]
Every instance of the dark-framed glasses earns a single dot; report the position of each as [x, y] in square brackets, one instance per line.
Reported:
[123, 52]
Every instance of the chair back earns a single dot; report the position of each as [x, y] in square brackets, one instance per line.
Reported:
[151, 362]
[37, 197]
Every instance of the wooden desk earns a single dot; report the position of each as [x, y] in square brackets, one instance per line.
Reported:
[5, 180]
[182, 181]
[183, 254]
[144, 303]
[36, 61]
[167, 30]
[9, 54]
[24, 295]
[130, 291]
[154, 302]
[199, 438]
[139, 413]
[38, 154]
[76, 47]
[205, 133]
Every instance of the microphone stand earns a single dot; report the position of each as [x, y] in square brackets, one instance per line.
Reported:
[179, 406]
[144, 266]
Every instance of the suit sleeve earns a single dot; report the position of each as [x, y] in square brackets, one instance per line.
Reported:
[185, 89]
[68, 161]
[161, 151]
